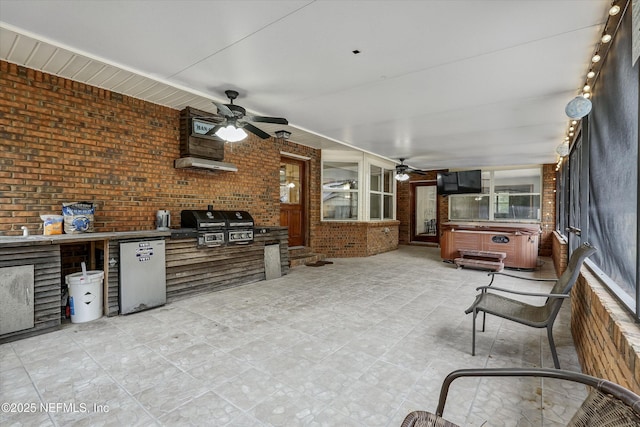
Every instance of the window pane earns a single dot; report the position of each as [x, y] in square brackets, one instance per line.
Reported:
[375, 207]
[376, 178]
[340, 175]
[388, 207]
[289, 183]
[469, 207]
[340, 205]
[510, 206]
[517, 181]
[388, 181]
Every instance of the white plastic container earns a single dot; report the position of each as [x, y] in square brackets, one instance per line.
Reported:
[85, 295]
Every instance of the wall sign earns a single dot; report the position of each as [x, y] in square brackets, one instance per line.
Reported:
[201, 128]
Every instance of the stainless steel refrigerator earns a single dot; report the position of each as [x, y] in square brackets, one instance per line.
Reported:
[143, 277]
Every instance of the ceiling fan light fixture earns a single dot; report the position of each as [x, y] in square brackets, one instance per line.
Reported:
[402, 177]
[231, 133]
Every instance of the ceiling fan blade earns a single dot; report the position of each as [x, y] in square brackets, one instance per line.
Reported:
[223, 109]
[213, 130]
[263, 119]
[254, 130]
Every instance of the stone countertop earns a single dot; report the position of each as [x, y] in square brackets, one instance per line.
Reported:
[59, 239]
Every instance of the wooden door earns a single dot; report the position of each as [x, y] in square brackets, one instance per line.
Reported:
[424, 212]
[292, 199]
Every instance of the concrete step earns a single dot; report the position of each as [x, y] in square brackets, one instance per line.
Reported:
[302, 256]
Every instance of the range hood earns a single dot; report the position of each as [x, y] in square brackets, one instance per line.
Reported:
[194, 162]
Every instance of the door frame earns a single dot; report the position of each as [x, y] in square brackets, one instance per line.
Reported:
[304, 194]
[413, 237]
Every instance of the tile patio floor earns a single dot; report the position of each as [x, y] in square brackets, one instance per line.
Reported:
[361, 342]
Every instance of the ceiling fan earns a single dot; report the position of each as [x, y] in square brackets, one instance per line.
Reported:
[402, 169]
[236, 120]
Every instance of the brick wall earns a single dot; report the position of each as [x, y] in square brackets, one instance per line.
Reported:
[65, 141]
[356, 239]
[604, 334]
[559, 253]
[548, 219]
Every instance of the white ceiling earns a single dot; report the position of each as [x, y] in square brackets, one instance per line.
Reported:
[445, 84]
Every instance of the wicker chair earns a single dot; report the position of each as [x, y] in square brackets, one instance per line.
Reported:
[608, 404]
[531, 315]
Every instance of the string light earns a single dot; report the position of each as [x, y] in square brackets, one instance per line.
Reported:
[609, 30]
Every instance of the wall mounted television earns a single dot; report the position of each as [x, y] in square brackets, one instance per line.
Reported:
[462, 182]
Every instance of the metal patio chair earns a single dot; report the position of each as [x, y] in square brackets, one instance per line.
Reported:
[607, 404]
[542, 316]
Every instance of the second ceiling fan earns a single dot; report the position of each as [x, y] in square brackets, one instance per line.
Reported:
[236, 120]
[402, 169]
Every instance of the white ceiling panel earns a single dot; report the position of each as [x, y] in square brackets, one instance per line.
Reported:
[443, 83]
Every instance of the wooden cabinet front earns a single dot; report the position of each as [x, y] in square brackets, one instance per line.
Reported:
[521, 248]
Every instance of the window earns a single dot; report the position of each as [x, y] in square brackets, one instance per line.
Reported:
[357, 186]
[340, 190]
[290, 183]
[380, 193]
[507, 195]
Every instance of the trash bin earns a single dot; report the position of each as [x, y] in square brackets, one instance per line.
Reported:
[85, 295]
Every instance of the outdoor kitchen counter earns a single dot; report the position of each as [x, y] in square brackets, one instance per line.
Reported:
[61, 239]
[192, 270]
[44, 254]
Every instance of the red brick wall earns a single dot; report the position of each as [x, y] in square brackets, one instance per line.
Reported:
[604, 334]
[65, 141]
[356, 239]
[548, 223]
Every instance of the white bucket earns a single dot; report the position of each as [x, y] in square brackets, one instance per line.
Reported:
[85, 295]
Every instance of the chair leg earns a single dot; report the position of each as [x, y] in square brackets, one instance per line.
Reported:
[552, 344]
[473, 334]
[484, 320]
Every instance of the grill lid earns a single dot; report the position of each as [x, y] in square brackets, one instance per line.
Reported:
[207, 220]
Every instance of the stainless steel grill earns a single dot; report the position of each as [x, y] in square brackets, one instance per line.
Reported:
[217, 228]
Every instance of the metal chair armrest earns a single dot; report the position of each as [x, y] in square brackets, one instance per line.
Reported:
[532, 294]
[514, 372]
[533, 279]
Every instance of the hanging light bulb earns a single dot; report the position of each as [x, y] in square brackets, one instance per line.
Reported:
[586, 95]
[606, 38]
[596, 58]
[574, 122]
[586, 88]
[591, 74]
[615, 9]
